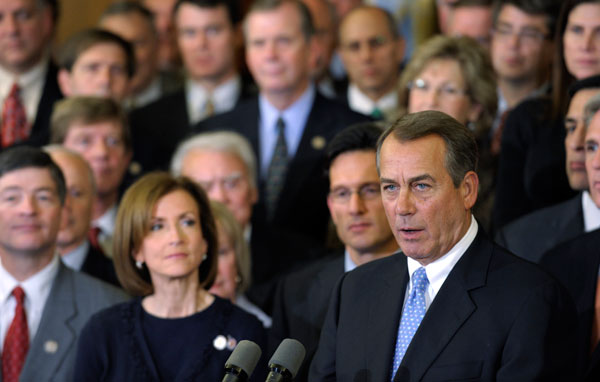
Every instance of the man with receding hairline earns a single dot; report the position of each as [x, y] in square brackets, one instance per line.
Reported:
[288, 125]
[453, 305]
[372, 51]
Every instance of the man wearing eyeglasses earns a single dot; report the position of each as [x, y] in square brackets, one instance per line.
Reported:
[356, 209]
[371, 51]
[522, 49]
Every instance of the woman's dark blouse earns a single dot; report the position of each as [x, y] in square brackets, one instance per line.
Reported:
[531, 169]
[124, 343]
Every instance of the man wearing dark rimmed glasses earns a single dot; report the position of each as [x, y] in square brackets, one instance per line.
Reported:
[522, 49]
[371, 50]
[357, 212]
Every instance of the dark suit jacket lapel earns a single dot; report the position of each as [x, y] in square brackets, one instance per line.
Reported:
[572, 220]
[322, 287]
[449, 310]
[55, 336]
[384, 317]
[308, 155]
[40, 130]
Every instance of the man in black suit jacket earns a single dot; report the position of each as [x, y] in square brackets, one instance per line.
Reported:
[213, 84]
[76, 251]
[457, 307]
[25, 60]
[533, 234]
[282, 73]
[575, 264]
[354, 202]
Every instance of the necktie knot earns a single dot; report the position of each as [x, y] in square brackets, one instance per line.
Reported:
[280, 125]
[15, 90]
[420, 281]
[19, 294]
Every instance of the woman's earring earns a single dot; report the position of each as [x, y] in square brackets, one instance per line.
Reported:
[204, 257]
[139, 264]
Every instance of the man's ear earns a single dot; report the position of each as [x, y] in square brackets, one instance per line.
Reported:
[469, 189]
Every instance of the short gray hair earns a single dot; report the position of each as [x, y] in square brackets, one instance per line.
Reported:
[222, 141]
[56, 148]
[592, 106]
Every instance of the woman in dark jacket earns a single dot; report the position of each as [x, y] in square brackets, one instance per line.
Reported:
[166, 254]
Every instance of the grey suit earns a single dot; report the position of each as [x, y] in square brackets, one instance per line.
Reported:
[74, 297]
[533, 234]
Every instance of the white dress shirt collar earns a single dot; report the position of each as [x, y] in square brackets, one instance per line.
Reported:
[106, 222]
[31, 84]
[360, 103]
[591, 212]
[37, 288]
[224, 97]
[76, 257]
[349, 265]
[438, 271]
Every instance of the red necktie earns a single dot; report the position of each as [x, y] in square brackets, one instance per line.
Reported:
[93, 235]
[16, 342]
[14, 121]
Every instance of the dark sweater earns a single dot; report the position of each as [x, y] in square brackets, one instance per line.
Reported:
[115, 344]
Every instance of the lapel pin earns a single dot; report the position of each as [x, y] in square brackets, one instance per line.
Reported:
[318, 142]
[231, 342]
[50, 346]
[135, 168]
[220, 342]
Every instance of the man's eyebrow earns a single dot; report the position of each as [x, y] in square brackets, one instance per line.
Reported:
[420, 178]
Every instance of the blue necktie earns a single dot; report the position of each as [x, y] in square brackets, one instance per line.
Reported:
[413, 314]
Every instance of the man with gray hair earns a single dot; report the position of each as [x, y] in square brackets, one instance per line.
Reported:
[535, 233]
[453, 305]
[575, 263]
[223, 163]
[72, 241]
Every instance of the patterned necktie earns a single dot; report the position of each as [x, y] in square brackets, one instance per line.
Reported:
[413, 313]
[277, 170]
[16, 342]
[14, 120]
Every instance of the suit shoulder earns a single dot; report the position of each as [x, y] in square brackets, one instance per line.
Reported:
[95, 291]
[338, 109]
[542, 217]
[234, 119]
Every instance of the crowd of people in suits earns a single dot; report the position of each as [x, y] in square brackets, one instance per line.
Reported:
[410, 189]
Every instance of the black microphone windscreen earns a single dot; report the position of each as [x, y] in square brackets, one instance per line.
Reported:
[290, 355]
[245, 356]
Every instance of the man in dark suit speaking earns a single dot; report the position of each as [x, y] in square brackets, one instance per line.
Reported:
[457, 306]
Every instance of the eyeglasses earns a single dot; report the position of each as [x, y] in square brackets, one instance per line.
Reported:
[228, 183]
[342, 195]
[525, 36]
[373, 43]
[446, 90]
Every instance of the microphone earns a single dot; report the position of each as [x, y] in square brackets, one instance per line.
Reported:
[241, 362]
[286, 361]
